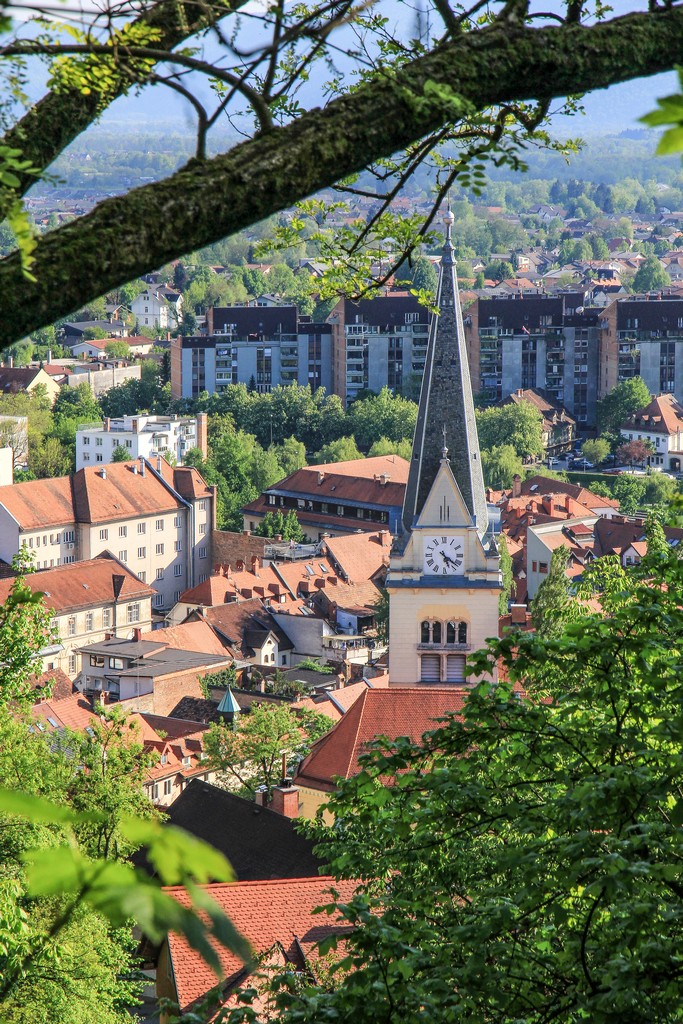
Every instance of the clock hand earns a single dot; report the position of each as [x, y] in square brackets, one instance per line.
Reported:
[446, 558]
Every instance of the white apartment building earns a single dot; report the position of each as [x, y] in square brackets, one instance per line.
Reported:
[154, 518]
[142, 437]
[158, 306]
[660, 424]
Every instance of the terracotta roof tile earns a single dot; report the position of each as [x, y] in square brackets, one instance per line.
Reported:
[39, 503]
[83, 584]
[189, 636]
[119, 494]
[392, 712]
[72, 712]
[266, 913]
[664, 415]
[358, 480]
[360, 555]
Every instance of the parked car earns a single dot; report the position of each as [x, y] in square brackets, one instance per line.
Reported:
[581, 464]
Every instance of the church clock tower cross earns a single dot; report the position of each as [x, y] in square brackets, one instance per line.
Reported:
[444, 578]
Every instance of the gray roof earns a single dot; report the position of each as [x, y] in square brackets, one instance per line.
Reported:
[152, 659]
[446, 410]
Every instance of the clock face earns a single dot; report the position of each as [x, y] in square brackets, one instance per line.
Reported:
[443, 556]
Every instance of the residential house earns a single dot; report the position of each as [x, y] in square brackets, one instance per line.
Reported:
[338, 498]
[155, 518]
[660, 424]
[15, 380]
[143, 437]
[558, 427]
[180, 754]
[249, 632]
[89, 600]
[158, 306]
[73, 331]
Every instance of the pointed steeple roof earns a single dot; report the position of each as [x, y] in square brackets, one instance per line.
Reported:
[228, 704]
[446, 412]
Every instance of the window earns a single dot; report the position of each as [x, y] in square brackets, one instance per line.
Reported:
[360, 513]
[86, 440]
[178, 569]
[168, 787]
[158, 600]
[106, 617]
[143, 576]
[202, 577]
[71, 626]
[142, 552]
[133, 613]
[160, 574]
[176, 595]
[116, 663]
[97, 661]
[177, 522]
[436, 632]
[202, 505]
[123, 555]
[271, 499]
[123, 531]
[543, 567]
[86, 458]
[98, 441]
[159, 525]
[340, 510]
[202, 529]
[89, 622]
[69, 536]
[104, 534]
[178, 545]
[155, 791]
[451, 632]
[202, 554]
[462, 633]
[160, 549]
[142, 527]
[98, 458]
[425, 632]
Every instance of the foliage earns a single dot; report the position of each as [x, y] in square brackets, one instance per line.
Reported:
[623, 400]
[382, 416]
[517, 424]
[120, 454]
[500, 465]
[344, 449]
[117, 349]
[583, 778]
[25, 629]
[506, 575]
[500, 270]
[629, 491]
[225, 677]
[553, 606]
[596, 450]
[251, 753]
[277, 524]
[386, 447]
[634, 452]
[651, 275]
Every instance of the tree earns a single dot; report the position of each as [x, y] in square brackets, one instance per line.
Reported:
[384, 446]
[634, 452]
[344, 449]
[217, 196]
[629, 491]
[291, 455]
[518, 424]
[423, 276]
[499, 270]
[94, 334]
[596, 450]
[382, 416]
[651, 276]
[507, 576]
[553, 604]
[117, 349]
[581, 776]
[120, 454]
[623, 400]
[292, 530]
[500, 465]
[250, 755]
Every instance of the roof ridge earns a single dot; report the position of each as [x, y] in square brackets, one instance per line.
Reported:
[310, 879]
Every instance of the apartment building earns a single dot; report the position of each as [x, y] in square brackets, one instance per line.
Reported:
[575, 353]
[376, 343]
[154, 518]
[158, 306]
[142, 437]
[89, 601]
[259, 345]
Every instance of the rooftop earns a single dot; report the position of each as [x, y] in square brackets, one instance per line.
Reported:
[86, 584]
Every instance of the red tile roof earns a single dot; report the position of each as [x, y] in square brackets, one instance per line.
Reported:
[360, 555]
[72, 712]
[118, 491]
[39, 503]
[189, 636]
[357, 480]
[87, 584]
[392, 712]
[266, 913]
[664, 415]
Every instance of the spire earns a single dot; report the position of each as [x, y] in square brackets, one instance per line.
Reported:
[228, 709]
[446, 427]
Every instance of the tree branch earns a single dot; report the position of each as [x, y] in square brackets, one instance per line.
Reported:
[60, 117]
[130, 235]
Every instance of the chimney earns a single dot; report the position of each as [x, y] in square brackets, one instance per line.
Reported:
[255, 564]
[142, 466]
[49, 356]
[549, 505]
[159, 462]
[285, 799]
[516, 486]
[103, 472]
[137, 634]
[321, 477]
[261, 796]
[107, 424]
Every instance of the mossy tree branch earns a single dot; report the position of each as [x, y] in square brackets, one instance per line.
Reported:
[208, 200]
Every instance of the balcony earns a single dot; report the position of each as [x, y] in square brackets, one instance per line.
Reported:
[445, 647]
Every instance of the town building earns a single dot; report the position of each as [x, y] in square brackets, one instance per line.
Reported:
[154, 518]
[142, 437]
[660, 424]
[259, 346]
[158, 306]
[377, 343]
[558, 427]
[444, 577]
[338, 498]
[179, 746]
[89, 601]
[102, 375]
[15, 380]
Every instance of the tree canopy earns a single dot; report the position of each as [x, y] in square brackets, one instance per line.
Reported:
[474, 87]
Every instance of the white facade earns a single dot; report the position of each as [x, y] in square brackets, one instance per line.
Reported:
[141, 436]
[157, 307]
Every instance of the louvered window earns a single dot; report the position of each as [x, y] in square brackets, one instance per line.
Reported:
[430, 668]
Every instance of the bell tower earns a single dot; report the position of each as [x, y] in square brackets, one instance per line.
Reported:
[444, 578]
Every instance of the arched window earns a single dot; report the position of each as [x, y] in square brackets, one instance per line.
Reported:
[450, 632]
[462, 633]
[436, 632]
[425, 632]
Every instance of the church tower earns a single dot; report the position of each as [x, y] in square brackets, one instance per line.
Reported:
[444, 578]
